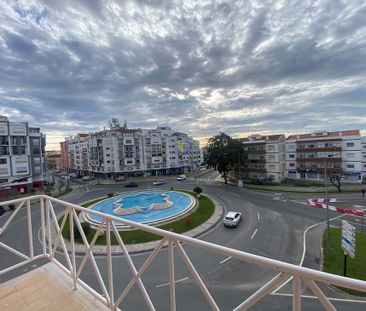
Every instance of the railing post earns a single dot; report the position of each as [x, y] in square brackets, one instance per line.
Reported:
[72, 240]
[48, 220]
[296, 286]
[43, 227]
[171, 275]
[109, 263]
[30, 230]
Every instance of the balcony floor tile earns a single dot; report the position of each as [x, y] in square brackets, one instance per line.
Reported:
[45, 288]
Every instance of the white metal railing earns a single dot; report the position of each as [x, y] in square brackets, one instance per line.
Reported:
[52, 239]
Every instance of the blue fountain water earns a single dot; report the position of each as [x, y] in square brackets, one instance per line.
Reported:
[145, 200]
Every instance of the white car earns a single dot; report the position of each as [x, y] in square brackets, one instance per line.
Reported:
[232, 219]
[86, 178]
[158, 182]
[181, 177]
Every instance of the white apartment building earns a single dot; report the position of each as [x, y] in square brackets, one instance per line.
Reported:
[120, 152]
[263, 158]
[363, 156]
[22, 157]
[307, 155]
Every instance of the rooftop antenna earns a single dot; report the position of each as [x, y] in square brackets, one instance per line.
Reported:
[114, 123]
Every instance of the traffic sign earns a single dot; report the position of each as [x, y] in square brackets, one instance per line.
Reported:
[348, 238]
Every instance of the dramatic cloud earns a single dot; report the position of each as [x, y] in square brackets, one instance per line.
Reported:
[197, 66]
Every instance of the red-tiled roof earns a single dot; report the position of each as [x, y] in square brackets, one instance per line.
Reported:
[274, 137]
[261, 138]
[325, 134]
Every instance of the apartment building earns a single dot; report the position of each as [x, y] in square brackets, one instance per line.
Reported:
[22, 157]
[263, 158]
[53, 160]
[363, 157]
[309, 156]
[119, 152]
[78, 154]
[64, 150]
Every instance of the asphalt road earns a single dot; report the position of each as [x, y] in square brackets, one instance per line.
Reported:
[273, 226]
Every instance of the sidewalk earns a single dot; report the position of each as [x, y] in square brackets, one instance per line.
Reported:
[301, 189]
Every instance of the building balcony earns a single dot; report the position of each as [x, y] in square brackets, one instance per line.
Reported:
[256, 169]
[319, 149]
[334, 170]
[328, 160]
[46, 271]
[254, 161]
[260, 151]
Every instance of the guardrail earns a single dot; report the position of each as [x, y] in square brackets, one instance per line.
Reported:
[52, 239]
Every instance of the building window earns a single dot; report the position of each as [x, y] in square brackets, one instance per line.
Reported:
[291, 156]
[4, 180]
[292, 174]
[21, 160]
[21, 169]
[291, 165]
[3, 171]
[350, 144]
[18, 130]
[271, 147]
[350, 155]
[312, 176]
[349, 165]
[2, 161]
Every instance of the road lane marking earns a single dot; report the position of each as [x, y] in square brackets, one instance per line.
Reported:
[303, 251]
[258, 215]
[236, 195]
[314, 297]
[177, 281]
[254, 234]
[226, 259]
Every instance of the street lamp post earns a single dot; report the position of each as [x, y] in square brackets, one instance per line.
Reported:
[326, 200]
[326, 197]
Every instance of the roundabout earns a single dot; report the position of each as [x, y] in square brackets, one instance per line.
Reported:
[145, 207]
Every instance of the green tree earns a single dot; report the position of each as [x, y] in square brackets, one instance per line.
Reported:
[197, 190]
[222, 153]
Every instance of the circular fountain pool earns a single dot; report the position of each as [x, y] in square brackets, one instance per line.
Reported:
[147, 207]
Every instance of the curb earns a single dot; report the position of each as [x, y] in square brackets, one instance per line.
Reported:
[99, 250]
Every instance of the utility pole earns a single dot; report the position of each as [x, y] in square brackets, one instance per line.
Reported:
[326, 202]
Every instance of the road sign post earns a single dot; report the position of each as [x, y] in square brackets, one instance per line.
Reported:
[348, 241]
[345, 265]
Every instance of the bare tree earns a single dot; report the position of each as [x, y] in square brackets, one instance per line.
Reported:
[336, 179]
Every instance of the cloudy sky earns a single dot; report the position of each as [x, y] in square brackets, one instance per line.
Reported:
[200, 67]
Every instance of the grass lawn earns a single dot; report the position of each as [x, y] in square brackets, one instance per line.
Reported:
[334, 259]
[199, 215]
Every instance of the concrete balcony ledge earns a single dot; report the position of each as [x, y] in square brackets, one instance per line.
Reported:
[43, 289]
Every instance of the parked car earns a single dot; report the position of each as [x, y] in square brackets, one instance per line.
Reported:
[86, 178]
[73, 175]
[158, 182]
[131, 185]
[232, 219]
[2, 210]
[181, 177]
